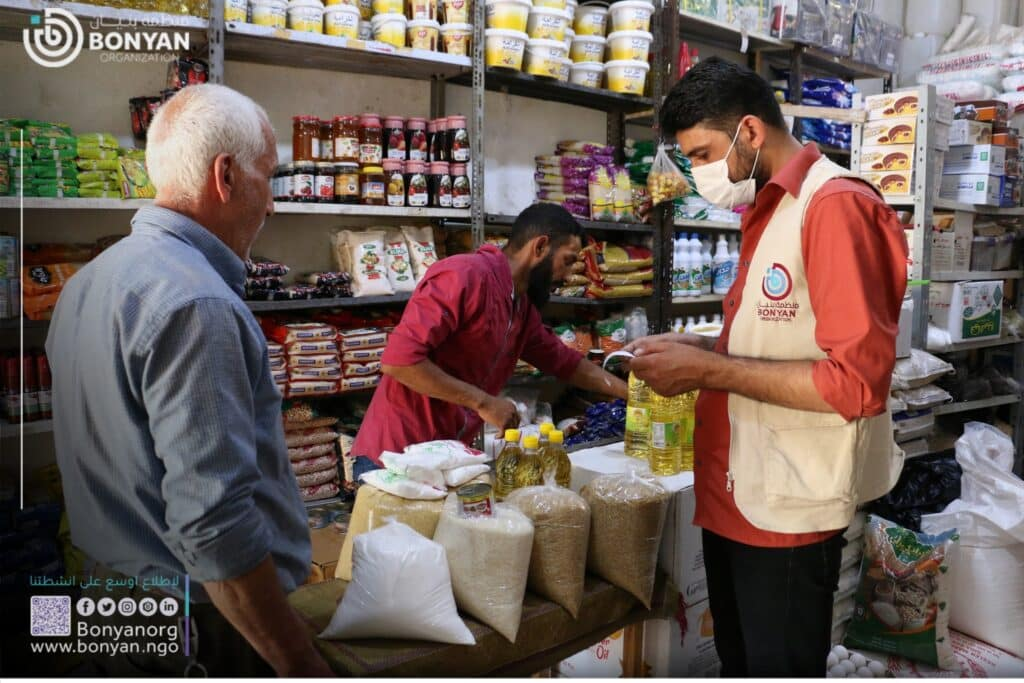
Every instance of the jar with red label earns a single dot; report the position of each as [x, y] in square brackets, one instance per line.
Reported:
[431, 136]
[371, 140]
[458, 139]
[373, 186]
[326, 141]
[461, 195]
[287, 183]
[416, 189]
[440, 184]
[439, 146]
[346, 183]
[305, 138]
[304, 182]
[394, 138]
[416, 139]
[394, 172]
[346, 139]
[324, 184]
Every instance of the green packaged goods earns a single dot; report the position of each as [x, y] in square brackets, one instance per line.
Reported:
[101, 140]
[98, 165]
[54, 142]
[87, 177]
[611, 335]
[5, 176]
[99, 194]
[45, 189]
[54, 193]
[103, 185]
[55, 154]
[96, 153]
[135, 180]
[43, 129]
[53, 170]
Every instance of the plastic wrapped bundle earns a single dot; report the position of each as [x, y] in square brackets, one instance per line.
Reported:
[802, 21]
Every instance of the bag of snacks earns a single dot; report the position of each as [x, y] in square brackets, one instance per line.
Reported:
[362, 255]
[601, 189]
[666, 182]
[576, 337]
[627, 516]
[398, 262]
[611, 335]
[904, 596]
[421, 249]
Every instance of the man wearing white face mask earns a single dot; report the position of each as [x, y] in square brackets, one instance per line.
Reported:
[792, 430]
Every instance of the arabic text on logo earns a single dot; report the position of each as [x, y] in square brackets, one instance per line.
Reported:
[59, 40]
[777, 283]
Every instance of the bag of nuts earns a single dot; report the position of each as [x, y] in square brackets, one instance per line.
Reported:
[665, 181]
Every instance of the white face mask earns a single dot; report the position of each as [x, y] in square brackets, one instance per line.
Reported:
[713, 182]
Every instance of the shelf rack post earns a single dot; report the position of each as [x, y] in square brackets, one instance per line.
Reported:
[215, 41]
[477, 136]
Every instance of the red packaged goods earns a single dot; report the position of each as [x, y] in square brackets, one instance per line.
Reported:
[313, 388]
[312, 347]
[274, 350]
[362, 339]
[305, 374]
[294, 332]
[326, 360]
[314, 423]
[46, 279]
[45, 254]
[359, 383]
[362, 355]
[280, 377]
[317, 478]
[361, 369]
[278, 362]
[318, 464]
[318, 492]
[314, 452]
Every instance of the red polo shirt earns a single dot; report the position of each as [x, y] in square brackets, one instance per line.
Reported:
[855, 255]
[465, 318]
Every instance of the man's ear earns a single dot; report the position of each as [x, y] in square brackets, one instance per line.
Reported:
[225, 176]
[540, 247]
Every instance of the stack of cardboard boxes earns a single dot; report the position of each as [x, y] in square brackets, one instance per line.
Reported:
[982, 165]
[888, 157]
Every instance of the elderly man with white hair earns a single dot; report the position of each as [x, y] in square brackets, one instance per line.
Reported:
[166, 418]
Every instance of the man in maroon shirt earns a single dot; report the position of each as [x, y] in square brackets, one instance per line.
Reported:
[470, 320]
[815, 325]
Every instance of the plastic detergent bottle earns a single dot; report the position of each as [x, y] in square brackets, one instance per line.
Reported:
[666, 452]
[696, 267]
[530, 472]
[722, 267]
[683, 287]
[734, 259]
[690, 324]
[678, 325]
[687, 420]
[677, 268]
[717, 319]
[703, 320]
[555, 461]
[707, 269]
[507, 464]
[637, 440]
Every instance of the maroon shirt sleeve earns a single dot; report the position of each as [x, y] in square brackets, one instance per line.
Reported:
[445, 298]
[545, 351]
[855, 256]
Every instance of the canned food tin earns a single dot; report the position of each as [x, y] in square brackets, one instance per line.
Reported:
[476, 500]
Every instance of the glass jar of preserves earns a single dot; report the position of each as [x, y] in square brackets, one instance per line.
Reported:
[346, 139]
[458, 139]
[305, 138]
[439, 147]
[416, 139]
[346, 183]
[324, 185]
[416, 183]
[394, 138]
[304, 181]
[431, 136]
[326, 141]
[461, 195]
[373, 186]
[440, 184]
[371, 140]
[393, 170]
[287, 183]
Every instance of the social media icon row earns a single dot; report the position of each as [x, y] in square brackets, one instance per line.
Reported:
[126, 607]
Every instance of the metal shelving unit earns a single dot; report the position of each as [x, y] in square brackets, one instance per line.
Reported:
[959, 276]
[8, 431]
[309, 304]
[968, 406]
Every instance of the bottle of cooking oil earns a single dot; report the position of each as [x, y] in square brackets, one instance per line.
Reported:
[688, 420]
[638, 418]
[506, 465]
[555, 460]
[530, 472]
[545, 434]
[666, 453]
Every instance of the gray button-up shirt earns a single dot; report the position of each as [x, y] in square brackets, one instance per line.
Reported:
[166, 418]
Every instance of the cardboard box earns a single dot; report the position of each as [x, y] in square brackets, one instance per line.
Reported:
[682, 553]
[982, 110]
[941, 141]
[887, 158]
[894, 183]
[327, 544]
[967, 132]
[682, 647]
[967, 310]
[975, 189]
[901, 131]
[906, 328]
[601, 660]
[951, 241]
[892, 105]
[1008, 140]
[984, 159]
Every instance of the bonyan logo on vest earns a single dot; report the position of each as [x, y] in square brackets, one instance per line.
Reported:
[777, 283]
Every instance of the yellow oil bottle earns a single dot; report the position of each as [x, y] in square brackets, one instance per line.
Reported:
[638, 419]
[666, 446]
[506, 464]
[530, 472]
[555, 460]
[688, 420]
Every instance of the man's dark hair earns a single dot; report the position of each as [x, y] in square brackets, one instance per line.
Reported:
[718, 93]
[544, 219]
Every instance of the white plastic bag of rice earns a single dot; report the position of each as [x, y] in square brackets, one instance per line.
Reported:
[627, 516]
[561, 531]
[399, 263]
[361, 254]
[400, 588]
[489, 560]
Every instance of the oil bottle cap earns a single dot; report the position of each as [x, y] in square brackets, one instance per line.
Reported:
[546, 428]
[531, 442]
[556, 436]
[512, 435]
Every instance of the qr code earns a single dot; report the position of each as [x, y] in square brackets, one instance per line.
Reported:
[51, 615]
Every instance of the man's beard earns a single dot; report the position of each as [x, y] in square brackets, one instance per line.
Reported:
[538, 288]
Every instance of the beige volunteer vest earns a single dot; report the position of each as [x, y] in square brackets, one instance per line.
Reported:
[795, 471]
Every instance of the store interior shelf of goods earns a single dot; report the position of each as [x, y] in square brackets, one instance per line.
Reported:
[816, 60]
[72, 204]
[982, 344]
[284, 47]
[695, 300]
[525, 85]
[708, 31]
[8, 431]
[947, 205]
[499, 222]
[346, 302]
[707, 225]
[977, 275]
[966, 406]
[579, 301]
[14, 16]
